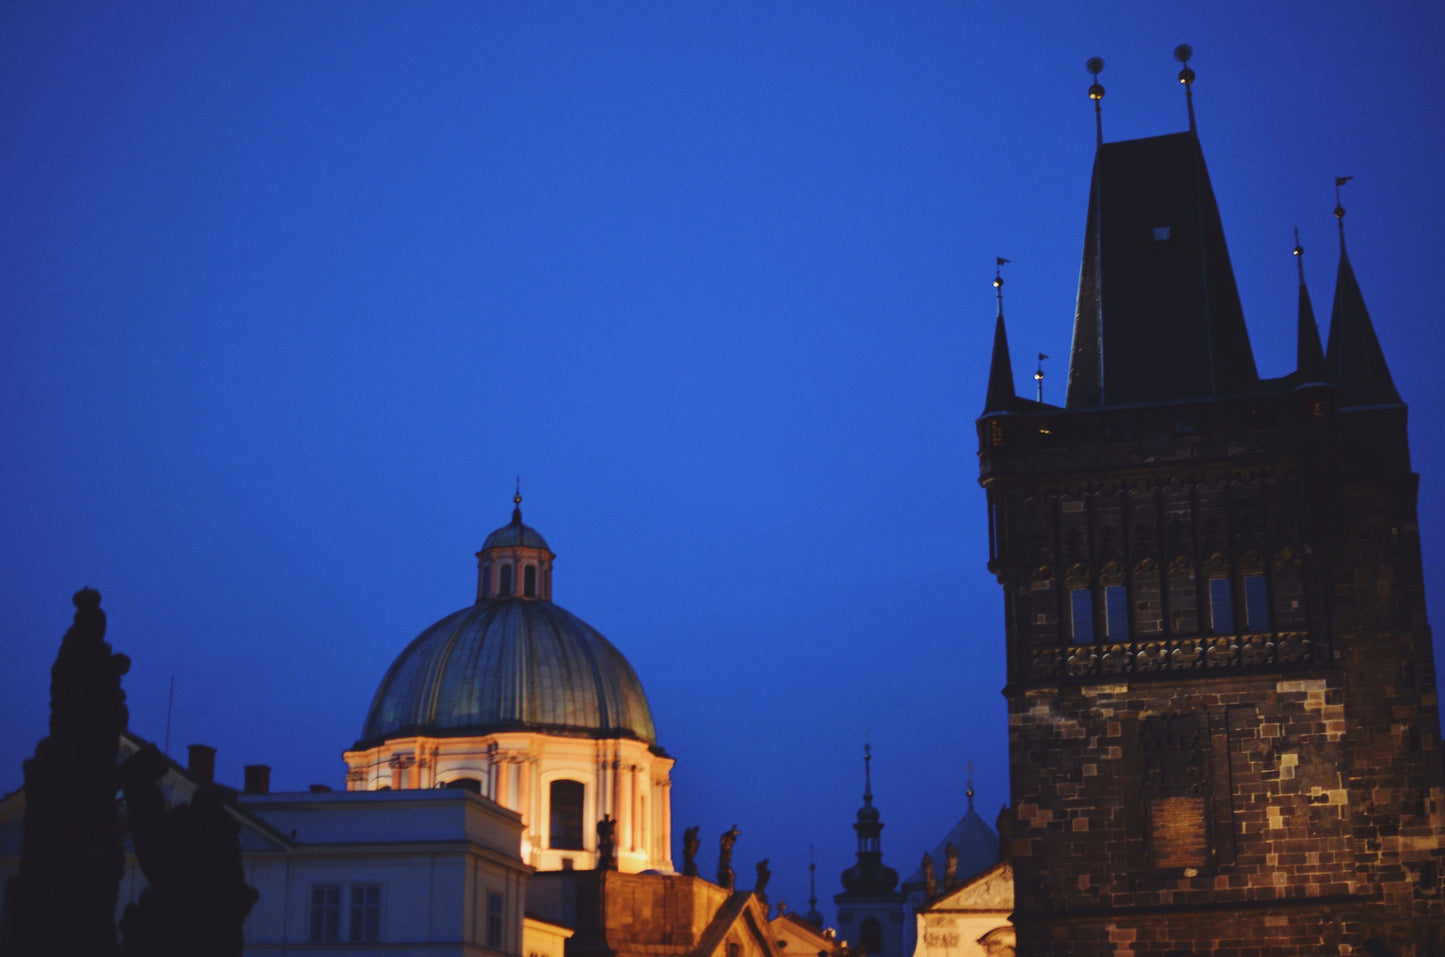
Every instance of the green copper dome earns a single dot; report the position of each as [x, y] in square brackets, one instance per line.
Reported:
[510, 662]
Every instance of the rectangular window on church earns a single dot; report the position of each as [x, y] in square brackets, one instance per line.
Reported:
[1082, 605]
[1256, 603]
[494, 920]
[1116, 612]
[365, 912]
[325, 913]
[1221, 607]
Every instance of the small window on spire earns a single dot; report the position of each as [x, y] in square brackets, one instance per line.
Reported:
[1161, 234]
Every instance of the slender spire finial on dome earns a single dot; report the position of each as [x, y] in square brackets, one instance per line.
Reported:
[517, 503]
[969, 790]
[867, 775]
[812, 882]
[1182, 53]
[1096, 93]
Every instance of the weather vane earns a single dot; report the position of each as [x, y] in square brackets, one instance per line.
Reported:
[1182, 53]
[1096, 93]
[999, 263]
[1339, 208]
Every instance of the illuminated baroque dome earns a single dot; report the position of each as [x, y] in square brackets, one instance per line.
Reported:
[519, 700]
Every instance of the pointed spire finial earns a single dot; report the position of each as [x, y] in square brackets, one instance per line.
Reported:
[517, 502]
[1340, 209]
[969, 790]
[1309, 359]
[999, 263]
[867, 775]
[1096, 93]
[1039, 376]
[1182, 53]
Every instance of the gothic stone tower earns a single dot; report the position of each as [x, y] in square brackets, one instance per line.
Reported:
[1222, 720]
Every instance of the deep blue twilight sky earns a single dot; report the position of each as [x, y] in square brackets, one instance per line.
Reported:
[291, 292]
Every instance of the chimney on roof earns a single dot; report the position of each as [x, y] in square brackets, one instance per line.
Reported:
[201, 762]
[258, 779]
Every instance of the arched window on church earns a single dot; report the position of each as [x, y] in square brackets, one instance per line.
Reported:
[870, 936]
[529, 581]
[486, 580]
[504, 585]
[465, 784]
[565, 815]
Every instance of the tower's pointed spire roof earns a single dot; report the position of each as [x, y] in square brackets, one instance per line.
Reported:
[1158, 316]
[1001, 393]
[1309, 360]
[1354, 360]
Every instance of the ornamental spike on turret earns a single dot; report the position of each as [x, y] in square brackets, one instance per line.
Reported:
[1309, 359]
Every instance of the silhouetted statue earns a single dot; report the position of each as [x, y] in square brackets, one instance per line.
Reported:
[950, 866]
[196, 899]
[930, 879]
[764, 875]
[725, 857]
[690, 844]
[606, 844]
[62, 899]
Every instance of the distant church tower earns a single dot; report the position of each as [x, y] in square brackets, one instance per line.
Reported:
[870, 910]
[1223, 728]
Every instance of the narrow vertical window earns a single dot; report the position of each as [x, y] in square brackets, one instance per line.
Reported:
[494, 920]
[1082, 605]
[365, 913]
[529, 581]
[1256, 603]
[504, 585]
[1116, 608]
[1221, 607]
[870, 936]
[325, 914]
[565, 800]
[486, 588]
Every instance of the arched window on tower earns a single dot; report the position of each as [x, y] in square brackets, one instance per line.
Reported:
[504, 585]
[529, 581]
[486, 580]
[870, 936]
[565, 815]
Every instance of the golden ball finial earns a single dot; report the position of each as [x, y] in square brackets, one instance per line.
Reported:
[998, 282]
[1095, 66]
[1182, 53]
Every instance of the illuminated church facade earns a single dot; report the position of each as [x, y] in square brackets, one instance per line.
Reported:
[517, 699]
